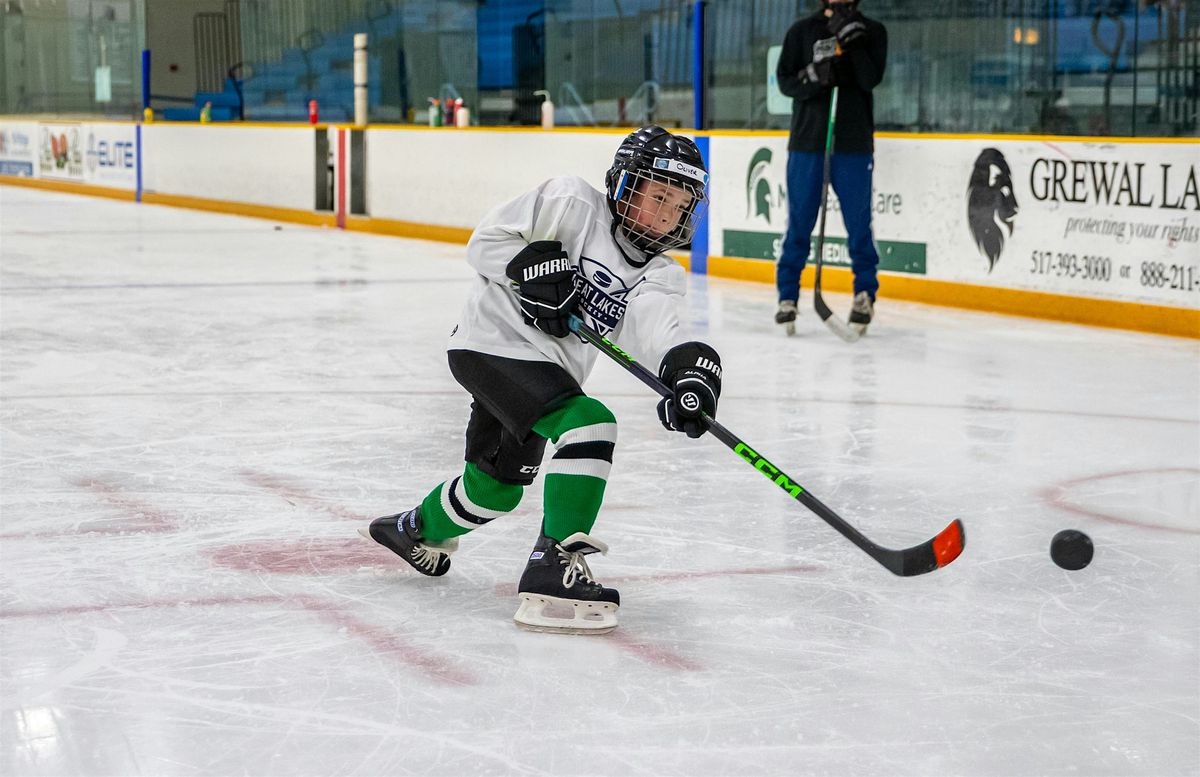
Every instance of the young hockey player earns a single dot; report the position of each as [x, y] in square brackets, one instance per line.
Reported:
[565, 248]
[836, 46]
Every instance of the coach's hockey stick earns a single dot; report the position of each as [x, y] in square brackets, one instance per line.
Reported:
[839, 327]
[917, 560]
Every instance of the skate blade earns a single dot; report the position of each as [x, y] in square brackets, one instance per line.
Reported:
[861, 329]
[789, 328]
[552, 615]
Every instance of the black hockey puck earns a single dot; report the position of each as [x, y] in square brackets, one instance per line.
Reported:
[1071, 549]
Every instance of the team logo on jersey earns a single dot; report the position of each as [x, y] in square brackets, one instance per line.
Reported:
[602, 294]
[991, 204]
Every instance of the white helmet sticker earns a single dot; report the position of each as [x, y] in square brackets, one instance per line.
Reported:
[675, 166]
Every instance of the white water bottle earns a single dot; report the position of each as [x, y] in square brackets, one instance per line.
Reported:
[547, 110]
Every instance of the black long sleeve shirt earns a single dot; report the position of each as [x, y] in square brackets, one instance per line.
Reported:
[857, 71]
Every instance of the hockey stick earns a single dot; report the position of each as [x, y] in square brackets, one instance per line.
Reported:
[839, 327]
[917, 560]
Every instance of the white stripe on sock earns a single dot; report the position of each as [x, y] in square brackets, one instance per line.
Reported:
[597, 468]
[592, 433]
[444, 497]
[472, 508]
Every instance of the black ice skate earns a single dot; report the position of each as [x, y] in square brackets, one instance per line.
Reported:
[862, 312]
[786, 315]
[558, 593]
[401, 534]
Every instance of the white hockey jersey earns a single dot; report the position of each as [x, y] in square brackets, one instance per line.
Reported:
[635, 307]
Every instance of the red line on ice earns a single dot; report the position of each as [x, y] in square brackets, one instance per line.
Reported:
[84, 609]
[297, 557]
[387, 641]
[380, 639]
[293, 493]
[145, 518]
[1056, 496]
[654, 654]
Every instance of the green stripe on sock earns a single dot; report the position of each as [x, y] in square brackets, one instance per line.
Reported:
[485, 491]
[575, 413]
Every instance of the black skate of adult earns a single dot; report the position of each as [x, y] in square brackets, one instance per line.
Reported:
[786, 316]
[862, 312]
[558, 593]
[401, 534]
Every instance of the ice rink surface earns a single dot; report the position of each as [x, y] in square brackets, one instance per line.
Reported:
[200, 410]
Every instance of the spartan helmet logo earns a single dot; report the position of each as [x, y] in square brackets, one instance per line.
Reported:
[762, 194]
[991, 204]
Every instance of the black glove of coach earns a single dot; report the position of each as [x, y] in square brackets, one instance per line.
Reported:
[847, 24]
[693, 372]
[820, 73]
[545, 280]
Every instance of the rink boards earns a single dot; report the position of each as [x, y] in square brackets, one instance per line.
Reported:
[1096, 230]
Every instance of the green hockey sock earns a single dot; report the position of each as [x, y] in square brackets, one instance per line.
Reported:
[466, 503]
[584, 434]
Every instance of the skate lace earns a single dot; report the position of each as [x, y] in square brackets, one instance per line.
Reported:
[576, 569]
[424, 557]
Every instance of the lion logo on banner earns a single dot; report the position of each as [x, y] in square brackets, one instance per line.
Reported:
[991, 204]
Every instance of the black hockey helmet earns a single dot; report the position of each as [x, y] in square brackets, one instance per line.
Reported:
[652, 154]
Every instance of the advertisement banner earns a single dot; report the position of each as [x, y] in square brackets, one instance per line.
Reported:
[749, 215]
[60, 151]
[1083, 218]
[110, 155]
[17, 148]
[1110, 220]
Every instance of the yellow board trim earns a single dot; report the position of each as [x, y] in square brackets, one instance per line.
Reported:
[1113, 314]
[70, 187]
[271, 212]
[411, 229]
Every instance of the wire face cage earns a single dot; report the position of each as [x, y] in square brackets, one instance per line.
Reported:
[660, 211]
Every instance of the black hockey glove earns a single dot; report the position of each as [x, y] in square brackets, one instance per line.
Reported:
[693, 372]
[820, 73]
[847, 24]
[545, 281]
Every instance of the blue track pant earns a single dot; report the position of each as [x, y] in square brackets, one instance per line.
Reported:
[850, 177]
